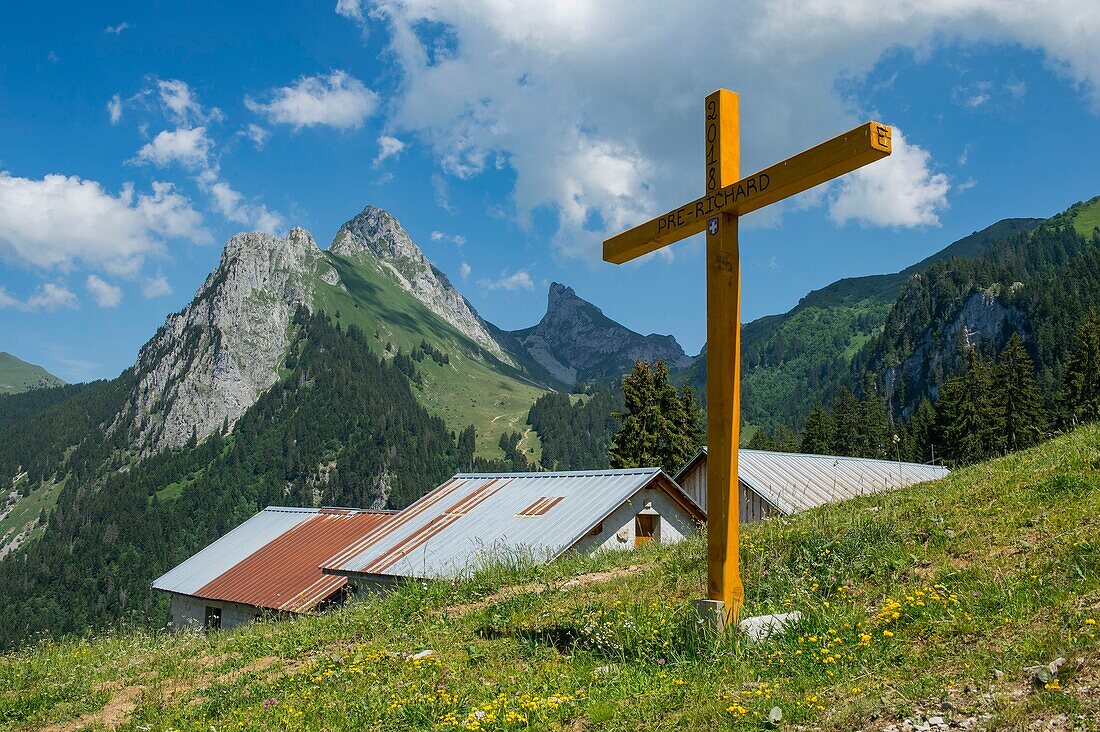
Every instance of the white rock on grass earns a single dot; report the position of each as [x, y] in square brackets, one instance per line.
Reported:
[763, 627]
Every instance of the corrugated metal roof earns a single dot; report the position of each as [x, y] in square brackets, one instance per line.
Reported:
[273, 559]
[473, 518]
[795, 482]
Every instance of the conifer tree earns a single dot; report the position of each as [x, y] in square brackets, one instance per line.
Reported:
[659, 426]
[873, 436]
[1079, 400]
[920, 433]
[846, 425]
[635, 442]
[817, 433]
[1022, 405]
[971, 416]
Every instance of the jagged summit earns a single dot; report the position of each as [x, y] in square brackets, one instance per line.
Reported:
[375, 234]
[575, 341]
[212, 360]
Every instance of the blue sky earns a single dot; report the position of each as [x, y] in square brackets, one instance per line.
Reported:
[509, 139]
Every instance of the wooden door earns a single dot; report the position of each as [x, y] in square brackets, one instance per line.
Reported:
[645, 528]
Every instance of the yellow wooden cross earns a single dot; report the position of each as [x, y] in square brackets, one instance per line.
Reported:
[716, 212]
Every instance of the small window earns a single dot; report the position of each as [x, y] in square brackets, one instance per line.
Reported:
[645, 528]
[213, 617]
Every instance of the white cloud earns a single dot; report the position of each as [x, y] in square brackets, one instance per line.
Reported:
[116, 29]
[604, 132]
[900, 191]
[337, 100]
[457, 239]
[156, 287]
[181, 105]
[190, 147]
[465, 271]
[442, 194]
[231, 204]
[105, 294]
[258, 135]
[388, 147]
[51, 296]
[6, 300]
[59, 221]
[520, 280]
[351, 9]
[114, 109]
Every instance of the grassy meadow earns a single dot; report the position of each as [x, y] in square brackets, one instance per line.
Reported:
[931, 602]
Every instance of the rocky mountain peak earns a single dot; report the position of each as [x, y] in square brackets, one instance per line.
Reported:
[375, 235]
[575, 341]
[212, 360]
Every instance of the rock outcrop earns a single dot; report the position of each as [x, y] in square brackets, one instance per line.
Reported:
[211, 361]
[575, 341]
[377, 235]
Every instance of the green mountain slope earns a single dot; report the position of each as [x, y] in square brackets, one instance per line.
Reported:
[17, 376]
[1038, 283]
[934, 601]
[789, 361]
[471, 387]
[342, 427]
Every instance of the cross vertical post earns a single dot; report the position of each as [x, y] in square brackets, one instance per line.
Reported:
[723, 158]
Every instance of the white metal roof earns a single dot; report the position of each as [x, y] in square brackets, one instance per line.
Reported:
[795, 482]
[231, 549]
[474, 518]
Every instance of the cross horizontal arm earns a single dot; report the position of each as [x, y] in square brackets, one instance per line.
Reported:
[842, 154]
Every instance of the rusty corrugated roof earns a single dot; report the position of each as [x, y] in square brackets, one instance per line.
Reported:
[274, 559]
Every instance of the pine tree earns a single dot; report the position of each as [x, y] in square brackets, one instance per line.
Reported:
[846, 425]
[971, 414]
[1079, 400]
[920, 433]
[874, 431]
[817, 432]
[1021, 402]
[635, 443]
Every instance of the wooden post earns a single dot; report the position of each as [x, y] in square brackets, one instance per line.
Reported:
[723, 359]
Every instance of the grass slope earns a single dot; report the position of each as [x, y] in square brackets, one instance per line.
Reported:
[1085, 217]
[474, 388]
[930, 601]
[17, 376]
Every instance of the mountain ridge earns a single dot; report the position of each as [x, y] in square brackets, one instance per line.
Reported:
[18, 376]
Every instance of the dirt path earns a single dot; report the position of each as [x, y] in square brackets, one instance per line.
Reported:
[583, 580]
[125, 699]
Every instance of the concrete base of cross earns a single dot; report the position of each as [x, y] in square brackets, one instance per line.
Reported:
[712, 617]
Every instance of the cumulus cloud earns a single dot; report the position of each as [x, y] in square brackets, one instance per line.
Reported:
[115, 30]
[258, 135]
[335, 100]
[105, 294]
[232, 205]
[49, 296]
[899, 191]
[519, 280]
[156, 287]
[604, 132]
[59, 221]
[114, 109]
[351, 9]
[465, 271]
[181, 104]
[388, 147]
[190, 147]
[457, 239]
